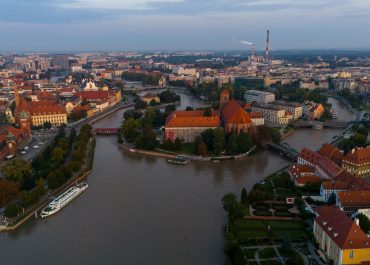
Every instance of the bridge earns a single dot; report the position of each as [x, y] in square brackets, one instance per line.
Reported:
[285, 150]
[106, 131]
[318, 124]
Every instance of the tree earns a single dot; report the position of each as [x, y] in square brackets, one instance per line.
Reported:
[208, 112]
[47, 125]
[9, 190]
[244, 142]
[208, 138]
[58, 155]
[219, 141]
[18, 171]
[202, 149]
[332, 199]
[229, 203]
[275, 135]
[364, 223]
[244, 197]
[177, 144]
[140, 104]
[12, 210]
[130, 130]
[196, 143]
[189, 108]
[231, 146]
[256, 196]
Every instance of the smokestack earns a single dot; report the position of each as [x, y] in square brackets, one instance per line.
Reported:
[16, 96]
[267, 46]
[252, 58]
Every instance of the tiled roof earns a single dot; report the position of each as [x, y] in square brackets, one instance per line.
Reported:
[233, 113]
[192, 119]
[358, 156]
[355, 198]
[329, 167]
[331, 152]
[331, 185]
[303, 174]
[310, 156]
[341, 229]
[96, 95]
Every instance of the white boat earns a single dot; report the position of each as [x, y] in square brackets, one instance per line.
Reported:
[63, 199]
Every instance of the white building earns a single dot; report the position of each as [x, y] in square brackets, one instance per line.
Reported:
[258, 96]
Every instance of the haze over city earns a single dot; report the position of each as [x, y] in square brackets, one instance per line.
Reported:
[97, 25]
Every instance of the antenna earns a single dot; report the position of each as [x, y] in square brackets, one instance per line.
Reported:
[267, 46]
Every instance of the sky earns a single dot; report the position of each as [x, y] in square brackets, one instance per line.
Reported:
[158, 25]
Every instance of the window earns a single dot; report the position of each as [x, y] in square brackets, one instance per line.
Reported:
[351, 254]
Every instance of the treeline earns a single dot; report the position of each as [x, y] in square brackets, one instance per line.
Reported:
[217, 142]
[358, 139]
[355, 100]
[26, 181]
[292, 92]
[147, 79]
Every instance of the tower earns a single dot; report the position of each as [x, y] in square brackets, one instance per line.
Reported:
[224, 97]
[16, 96]
[252, 58]
[24, 122]
[11, 144]
[267, 46]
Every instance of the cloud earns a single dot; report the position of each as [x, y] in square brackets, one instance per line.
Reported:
[115, 4]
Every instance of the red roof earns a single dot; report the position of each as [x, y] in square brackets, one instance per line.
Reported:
[358, 156]
[341, 229]
[330, 185]
[354, 183]
[354, 198]
[96, 95]
[310, 156]
[303, 174]
[331, 152]
[329, 167]
[194, 118]
[233, 113]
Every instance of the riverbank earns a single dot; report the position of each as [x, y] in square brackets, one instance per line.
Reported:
[33, 211]
[173, 155]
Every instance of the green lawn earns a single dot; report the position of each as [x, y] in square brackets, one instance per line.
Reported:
[257, 229]
[262, 213]
[261, 206]
[187, 148]
[271, 262]
[284, 214]
[267, 253]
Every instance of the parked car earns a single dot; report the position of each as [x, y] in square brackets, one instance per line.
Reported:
[36, 147]
[23, 152]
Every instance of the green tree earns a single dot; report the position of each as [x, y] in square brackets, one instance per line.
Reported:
[244, 197]
[208, 138]
[275, 135]
[177, 144]
[202, 149]
[12, 210]
[196, 143]
[219, 141]
[364, 223]
[231, 145]
[244, 143]
[256, 196]
[58, 155]
[229, 203]
[130, 130]
[47, 125]
[18, 171]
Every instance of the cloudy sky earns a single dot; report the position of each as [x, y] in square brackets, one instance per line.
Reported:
[106, 25]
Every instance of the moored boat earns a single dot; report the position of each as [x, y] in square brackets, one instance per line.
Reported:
[63, 199]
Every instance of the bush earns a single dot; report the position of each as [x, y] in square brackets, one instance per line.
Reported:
[261, 206]
[12, 210]
[284, 214]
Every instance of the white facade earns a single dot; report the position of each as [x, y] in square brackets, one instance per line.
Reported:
[258, 96]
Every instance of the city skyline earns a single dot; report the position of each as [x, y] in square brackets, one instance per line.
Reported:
[96, 25]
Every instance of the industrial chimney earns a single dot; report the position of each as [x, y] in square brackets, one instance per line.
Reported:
[267, 46]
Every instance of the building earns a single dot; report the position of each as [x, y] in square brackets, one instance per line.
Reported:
[312, 110]
[357, 162]
[274, 115]
[340, 238]
[309, 157]
[150, 97]
[329, 187]
[257, 118]
[186, 125]
[303, 174]
[291, 107]
[258, 96]
[331, 152]
[249, 82]
[351, 201]
[234, 118]
[327, 169]
[40, 112]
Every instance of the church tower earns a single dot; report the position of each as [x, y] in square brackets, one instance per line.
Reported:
[224, 97]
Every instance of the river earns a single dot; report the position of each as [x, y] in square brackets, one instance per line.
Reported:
[143, 211]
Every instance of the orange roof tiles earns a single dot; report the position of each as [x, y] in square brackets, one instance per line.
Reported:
[310, 156]
[233, 113]
[331, 152]
[358, 156]
[192, 119]
[330, 185]
[329, 167]
[354, 198]
[341, 229]
[303, 174]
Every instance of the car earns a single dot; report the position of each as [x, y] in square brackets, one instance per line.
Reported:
[41, 143]
[23, 152]
[9, 157]
[26, 148]
[36, 147]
